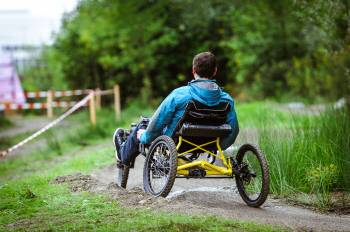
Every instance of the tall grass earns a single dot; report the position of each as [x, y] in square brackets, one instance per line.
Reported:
[4, 122]
[312, 156]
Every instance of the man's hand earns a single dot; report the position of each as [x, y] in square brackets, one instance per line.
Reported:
[139, 133]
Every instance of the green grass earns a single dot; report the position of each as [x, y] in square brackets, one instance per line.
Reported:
[6, 142]
[305, 154]
[4, 123]
[59, 140]
[265, 114]
[312, 157]
[29, 202]
[37, 205]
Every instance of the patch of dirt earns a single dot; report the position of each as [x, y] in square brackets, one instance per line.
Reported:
[24, 223]
[77, 182]
[135, 197]
[339, 202]
[203, 197]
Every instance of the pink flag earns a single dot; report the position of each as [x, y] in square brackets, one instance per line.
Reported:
[10, 85]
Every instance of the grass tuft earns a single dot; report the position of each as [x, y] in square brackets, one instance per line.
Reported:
[312, 157]
[4, 122]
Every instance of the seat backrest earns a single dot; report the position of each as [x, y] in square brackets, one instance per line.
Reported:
[202, 123]
[199, 114]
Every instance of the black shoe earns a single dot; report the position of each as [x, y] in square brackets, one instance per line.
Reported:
[118, 140]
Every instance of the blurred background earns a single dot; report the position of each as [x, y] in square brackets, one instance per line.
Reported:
[281, 50]
[286, 62]
[27, 26]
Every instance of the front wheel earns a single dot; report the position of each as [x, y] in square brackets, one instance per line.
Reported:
[253, 179]
[160, 167]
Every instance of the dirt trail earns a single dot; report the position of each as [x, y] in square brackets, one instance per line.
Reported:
[22, 125]
[204, 197]
[30, 125]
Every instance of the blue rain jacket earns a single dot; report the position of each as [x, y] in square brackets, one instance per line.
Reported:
[173, 107]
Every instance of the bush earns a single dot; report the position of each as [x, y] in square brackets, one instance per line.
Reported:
[264, 48]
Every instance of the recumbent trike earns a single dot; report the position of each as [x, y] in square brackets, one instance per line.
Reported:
[194, 152]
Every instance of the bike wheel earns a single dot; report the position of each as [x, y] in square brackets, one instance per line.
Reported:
[123, 175]
[160, 167]
[253, 180]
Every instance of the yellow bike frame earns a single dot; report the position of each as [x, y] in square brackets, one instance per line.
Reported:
[211, 169]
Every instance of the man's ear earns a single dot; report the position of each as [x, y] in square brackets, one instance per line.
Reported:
[193, 72]
[216, 70]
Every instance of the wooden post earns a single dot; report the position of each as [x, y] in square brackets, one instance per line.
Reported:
[49, 103]
[92, 109]
[98, 98]
[8, 111]
[117, 102]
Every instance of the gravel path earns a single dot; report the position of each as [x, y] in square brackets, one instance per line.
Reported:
[31, 125]
[219, 197]
[23, 125]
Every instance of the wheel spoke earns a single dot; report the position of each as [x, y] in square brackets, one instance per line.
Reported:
[160, 166]
[160, 170]
[252, 183]
[253, 179]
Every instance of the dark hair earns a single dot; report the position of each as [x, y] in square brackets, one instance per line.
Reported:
[204, 64]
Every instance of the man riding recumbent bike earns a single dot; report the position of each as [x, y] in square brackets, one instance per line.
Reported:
[194, 151]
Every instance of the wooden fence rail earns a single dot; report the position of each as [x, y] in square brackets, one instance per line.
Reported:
[94, 103]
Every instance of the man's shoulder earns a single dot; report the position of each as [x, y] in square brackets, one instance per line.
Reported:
[181, 95]
[226, 96]
[182, 89]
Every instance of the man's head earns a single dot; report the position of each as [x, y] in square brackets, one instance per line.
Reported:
[204, 65]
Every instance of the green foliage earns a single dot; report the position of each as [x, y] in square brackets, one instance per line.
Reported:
[144, 46]
[265, 48]
[46, 73]
[53, 143]
[321, 179]
[313, 157]
[290, 46]
[259, 115]
[4, 122]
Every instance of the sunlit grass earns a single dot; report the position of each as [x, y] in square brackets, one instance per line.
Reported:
[313, 156]
[29, 202]
[264, 114]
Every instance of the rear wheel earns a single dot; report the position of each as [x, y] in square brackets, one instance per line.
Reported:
[160, 167]
[253, 179]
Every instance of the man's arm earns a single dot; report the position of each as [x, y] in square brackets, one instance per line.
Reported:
[160, 119]
[233, 122]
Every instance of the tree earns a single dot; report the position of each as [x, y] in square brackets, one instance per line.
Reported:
[264, 48]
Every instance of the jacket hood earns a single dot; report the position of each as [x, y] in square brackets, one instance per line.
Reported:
[205, 91]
